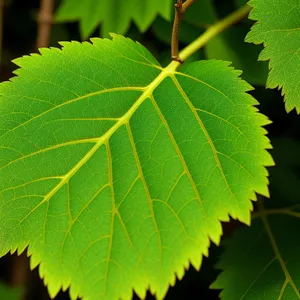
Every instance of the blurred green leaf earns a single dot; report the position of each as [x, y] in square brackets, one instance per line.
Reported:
[114, 15]
[277, 28]
[10, 293]
[202, 14]
[262, 262]
[230, 46]
[240, 3]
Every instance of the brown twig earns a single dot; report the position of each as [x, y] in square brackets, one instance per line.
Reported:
[180, 9]
[20, 271]
[45, 20]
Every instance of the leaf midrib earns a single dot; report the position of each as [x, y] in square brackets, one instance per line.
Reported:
[148, 90]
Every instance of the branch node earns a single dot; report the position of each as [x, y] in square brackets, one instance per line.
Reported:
[177, 58]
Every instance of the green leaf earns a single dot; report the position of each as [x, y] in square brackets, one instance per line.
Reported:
[262, 262]
[115, 172]
[9, 293]
[114, 15]
[278, 29]
[230, 46]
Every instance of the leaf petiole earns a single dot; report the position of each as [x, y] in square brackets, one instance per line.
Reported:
[213, 31]
[180, 9]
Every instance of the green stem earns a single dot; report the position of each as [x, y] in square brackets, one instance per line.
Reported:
[210, 33]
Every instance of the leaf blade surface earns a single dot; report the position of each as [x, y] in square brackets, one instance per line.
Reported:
[115, 159]
[278, 29]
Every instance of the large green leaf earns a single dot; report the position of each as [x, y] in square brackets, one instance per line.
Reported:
[262, 262]
[278, 29]
[114, 15]
[115, 172]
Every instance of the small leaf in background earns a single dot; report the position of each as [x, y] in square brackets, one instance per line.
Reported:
[146, 11]
[262, 262]
[10, 293]
[278, 29]
[114, 15]
[230, 46]
[115, 172]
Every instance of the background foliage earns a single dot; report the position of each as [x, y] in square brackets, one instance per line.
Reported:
[153, 30]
